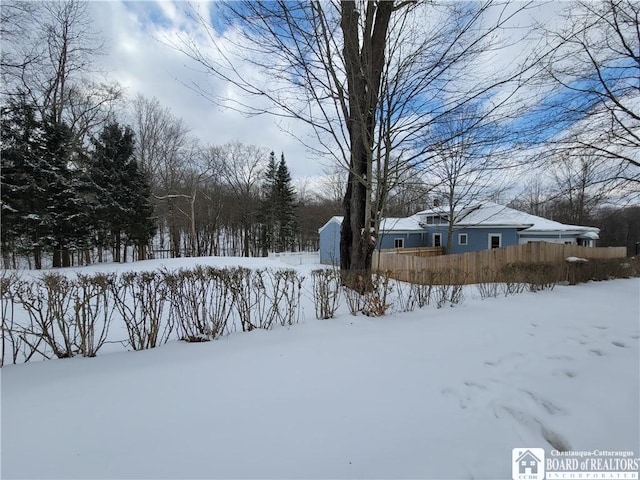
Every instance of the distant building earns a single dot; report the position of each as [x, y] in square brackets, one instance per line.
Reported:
[476, 227]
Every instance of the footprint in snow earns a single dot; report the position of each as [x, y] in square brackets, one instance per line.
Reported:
[559, 357]
[475, 385]
[465, 395]
[595, 351]
[566, 373]
[511, 356]
[554, 439]
[462, 399]
[548, 405]
[619, 344]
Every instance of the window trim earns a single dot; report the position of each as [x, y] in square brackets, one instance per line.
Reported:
[466, 239]
[490, 236]
[439, 235]
[395, 242]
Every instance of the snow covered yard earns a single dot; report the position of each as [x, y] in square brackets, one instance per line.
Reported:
[429, 394]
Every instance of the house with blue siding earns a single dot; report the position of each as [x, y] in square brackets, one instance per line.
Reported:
[393, 233]
[479, 226]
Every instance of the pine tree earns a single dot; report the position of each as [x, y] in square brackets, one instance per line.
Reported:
[124, 212]
[42, 206]
[268, 206]
[285, 213]
[23, 196]
[67, 212]
[140, 226]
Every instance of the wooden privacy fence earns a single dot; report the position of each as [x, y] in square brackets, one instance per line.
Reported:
[474, 265]
[416, 252]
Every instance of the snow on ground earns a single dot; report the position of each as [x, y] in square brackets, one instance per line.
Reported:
[436, 393]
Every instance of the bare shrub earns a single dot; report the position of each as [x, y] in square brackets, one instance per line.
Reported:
[488, 285]
[354, 300]
[11, 341]
[141, 299]
[598, 269]
[512, 279]
[533, 277]
[352, 288]
[93, 308]
[423, 286]
[326, 292]
[47, 302]
[406, 300]
[248, 293]
[285, 293]
[449, 287]
[190, 292]
[375, 301]
[220, 302]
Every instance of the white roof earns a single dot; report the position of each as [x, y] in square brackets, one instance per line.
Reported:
[485, 214]
[390, 224]
[493, 214]
[401, 224]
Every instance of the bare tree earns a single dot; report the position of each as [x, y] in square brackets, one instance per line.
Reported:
[581, 184]
[465, 148]
[330, 65]
[165, 151]
[240, 167]
[533, 198]
[591, 68]
[16, 55]
[49, 52]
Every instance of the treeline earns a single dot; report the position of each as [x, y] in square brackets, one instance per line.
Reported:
[89, 174]
[63, 199]
[582, 198]
[142, 191]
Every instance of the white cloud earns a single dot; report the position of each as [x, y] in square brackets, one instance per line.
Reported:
[142, 64]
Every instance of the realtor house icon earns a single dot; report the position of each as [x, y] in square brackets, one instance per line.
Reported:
[528, 463]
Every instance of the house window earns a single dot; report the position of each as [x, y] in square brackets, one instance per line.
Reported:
[398, 243]
[437, 239]
[462, 239]
[495, 240]
[430, 220]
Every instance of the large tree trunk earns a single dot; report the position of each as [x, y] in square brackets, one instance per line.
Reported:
[364, 61]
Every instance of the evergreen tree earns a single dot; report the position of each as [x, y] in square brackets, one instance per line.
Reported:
[22, 179]
[123, 211]
[42, 206]
[285, 213]
[141, 225]
[268, 206]
[67, 213]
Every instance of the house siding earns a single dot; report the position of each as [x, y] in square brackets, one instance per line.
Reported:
[548, 237]
[330, 244]
[477, 238]
[411, 239]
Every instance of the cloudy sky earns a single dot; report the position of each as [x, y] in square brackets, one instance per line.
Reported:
[140, 62]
